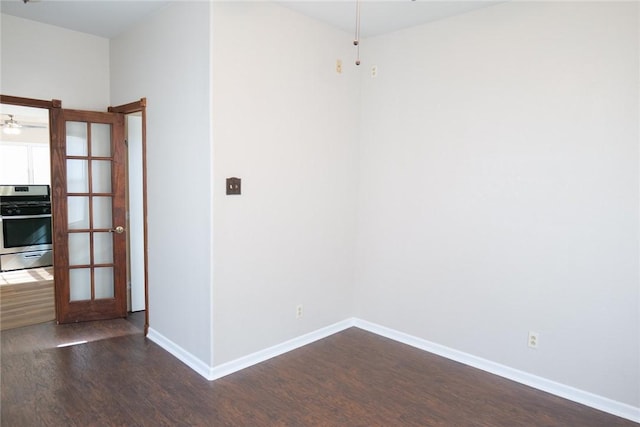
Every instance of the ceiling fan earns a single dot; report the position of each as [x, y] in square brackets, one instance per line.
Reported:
[11, 126]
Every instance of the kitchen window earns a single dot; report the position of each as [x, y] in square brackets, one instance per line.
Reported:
[24, 163]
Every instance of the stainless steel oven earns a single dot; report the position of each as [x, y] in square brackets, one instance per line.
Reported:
[25, 227]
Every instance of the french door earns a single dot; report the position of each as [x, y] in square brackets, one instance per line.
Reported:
[89, 214]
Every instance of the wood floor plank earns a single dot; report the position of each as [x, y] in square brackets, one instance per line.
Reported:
[26, 297]
[353, 378]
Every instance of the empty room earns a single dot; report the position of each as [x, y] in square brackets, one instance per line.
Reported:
[355, 212]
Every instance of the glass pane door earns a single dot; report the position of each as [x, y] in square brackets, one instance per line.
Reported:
[89, 215]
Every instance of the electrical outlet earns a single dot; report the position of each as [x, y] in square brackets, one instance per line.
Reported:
[299, 311]
[374, 71]
[339, 66]
[534, 339]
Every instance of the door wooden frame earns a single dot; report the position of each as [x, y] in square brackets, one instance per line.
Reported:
[141, 107]
[54, 107]
[30, 102]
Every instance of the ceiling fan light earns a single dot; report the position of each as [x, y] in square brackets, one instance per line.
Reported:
[11, 126]
[11, 130]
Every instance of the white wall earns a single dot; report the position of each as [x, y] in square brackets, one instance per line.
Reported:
[499, 189]
[166, 59]
[46, 62]
[286, 123]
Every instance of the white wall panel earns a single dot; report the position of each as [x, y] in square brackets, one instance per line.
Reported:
[47, 62]
[166, 59]
[286, 123]
[499, 189]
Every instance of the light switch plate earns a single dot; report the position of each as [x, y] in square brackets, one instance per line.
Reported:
[233, 186]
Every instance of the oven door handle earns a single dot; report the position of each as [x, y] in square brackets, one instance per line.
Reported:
[34, 255]
[25, 216]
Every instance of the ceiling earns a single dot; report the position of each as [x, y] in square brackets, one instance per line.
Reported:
[98, 17]
[110, 18]
[380, 17]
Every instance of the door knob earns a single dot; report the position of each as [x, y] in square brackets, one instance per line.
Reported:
[119, 229]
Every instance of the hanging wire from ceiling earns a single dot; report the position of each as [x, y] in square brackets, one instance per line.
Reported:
[356, 40]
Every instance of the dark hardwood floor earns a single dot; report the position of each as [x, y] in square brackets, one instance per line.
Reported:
[353, 378]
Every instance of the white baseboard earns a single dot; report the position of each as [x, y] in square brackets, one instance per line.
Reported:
[212, 373]
[585, 398]
[268, 353]
[181, 354]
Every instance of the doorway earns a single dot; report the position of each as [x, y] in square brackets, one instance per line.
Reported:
[26, 272]
[134, 114]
